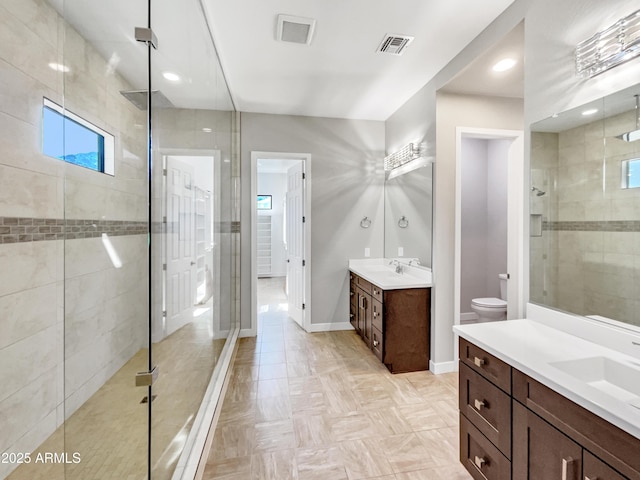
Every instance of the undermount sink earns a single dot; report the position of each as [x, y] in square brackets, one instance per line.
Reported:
[614, 378]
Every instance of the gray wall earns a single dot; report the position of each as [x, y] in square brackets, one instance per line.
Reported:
[484, 218]
[474, 228]
[346, 184]
[552, 30]
[449, 111]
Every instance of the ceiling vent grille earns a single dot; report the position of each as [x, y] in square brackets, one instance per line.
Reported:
[394, 44]
[295, 29]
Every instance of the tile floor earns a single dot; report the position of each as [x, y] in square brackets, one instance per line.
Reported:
[321, 407]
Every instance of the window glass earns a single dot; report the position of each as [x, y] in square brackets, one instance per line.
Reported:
[73, 139]
[264, 202]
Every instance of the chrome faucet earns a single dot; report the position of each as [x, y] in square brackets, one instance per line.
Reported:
[415, 261]
[398, 266]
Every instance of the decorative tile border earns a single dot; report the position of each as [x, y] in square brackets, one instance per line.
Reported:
[26, 229]
[593, 226]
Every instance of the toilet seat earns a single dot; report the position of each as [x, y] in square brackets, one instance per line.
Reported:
[489, 302]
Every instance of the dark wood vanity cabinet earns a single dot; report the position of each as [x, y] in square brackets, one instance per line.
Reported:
[513, 427]
[394, 324]
[541, 452]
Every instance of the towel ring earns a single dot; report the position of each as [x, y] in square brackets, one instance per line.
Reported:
[365, 222]
[403, 222]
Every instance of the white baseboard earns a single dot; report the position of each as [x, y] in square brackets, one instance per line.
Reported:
[468, 317]
[443, 367]
[247, 332]
[330, 327]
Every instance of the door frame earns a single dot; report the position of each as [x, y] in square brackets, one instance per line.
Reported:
[515, 221]
[306, 159]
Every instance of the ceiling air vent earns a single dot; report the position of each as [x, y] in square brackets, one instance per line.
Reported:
[394, 44]
[295, 29]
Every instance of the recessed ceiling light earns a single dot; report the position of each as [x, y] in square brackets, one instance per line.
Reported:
[58, 67]
[172, 77]
[504, 64]
[591, 111]
[207, 130]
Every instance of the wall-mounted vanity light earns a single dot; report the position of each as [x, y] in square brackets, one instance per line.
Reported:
[610, 47]
[408, 158]
[365, 222]
[403, 222]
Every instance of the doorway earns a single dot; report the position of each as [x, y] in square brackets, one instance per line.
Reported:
[489, 228]
[280, 264]
[192, 261]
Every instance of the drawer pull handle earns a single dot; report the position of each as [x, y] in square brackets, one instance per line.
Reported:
[352, 293]
[375, 314]
[479, 461]
[351, 315]
[566, 463]
[376, 343]
[478, 361]
[479, 404]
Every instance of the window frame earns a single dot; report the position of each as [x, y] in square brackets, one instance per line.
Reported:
[108, 140]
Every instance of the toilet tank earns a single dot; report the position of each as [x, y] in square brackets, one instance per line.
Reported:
[503, 285]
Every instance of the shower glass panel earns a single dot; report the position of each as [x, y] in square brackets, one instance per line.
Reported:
[106, 340]
[116, 256]
[191, 247]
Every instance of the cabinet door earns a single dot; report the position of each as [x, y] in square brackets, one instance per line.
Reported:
[364, 317]
[543, 452]
[596, 469]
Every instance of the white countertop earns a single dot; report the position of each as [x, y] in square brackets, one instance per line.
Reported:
[531, 346]
[380, 273]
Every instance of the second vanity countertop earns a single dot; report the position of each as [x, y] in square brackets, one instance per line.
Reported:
[552, 357]
[380, 273]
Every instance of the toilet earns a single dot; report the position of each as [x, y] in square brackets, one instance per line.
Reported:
[491, 309]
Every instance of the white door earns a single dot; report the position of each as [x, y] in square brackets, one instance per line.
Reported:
[295, 242]
[181, 281]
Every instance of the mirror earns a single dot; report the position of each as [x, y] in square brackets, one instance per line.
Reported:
[408, 215]
[585, 210]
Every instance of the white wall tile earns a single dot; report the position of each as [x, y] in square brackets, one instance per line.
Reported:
[29, 265]
[27, 407]
[26, 313]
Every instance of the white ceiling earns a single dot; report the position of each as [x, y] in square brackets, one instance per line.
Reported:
[340, 74]
[478, 78]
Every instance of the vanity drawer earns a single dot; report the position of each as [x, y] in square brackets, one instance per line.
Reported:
[486, 365]
[479, 456]
[595, 469]
[377, 342]
[376, 292]
[487, 407]
[362, 283]
[376, 315]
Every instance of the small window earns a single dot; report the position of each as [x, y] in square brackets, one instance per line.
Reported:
[75, 140]
[631, 173]
[264, 202]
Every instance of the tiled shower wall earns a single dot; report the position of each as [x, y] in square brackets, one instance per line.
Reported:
[588, 258]
[68, 318]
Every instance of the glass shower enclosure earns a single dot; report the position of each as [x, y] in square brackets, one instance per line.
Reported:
[117, 236]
